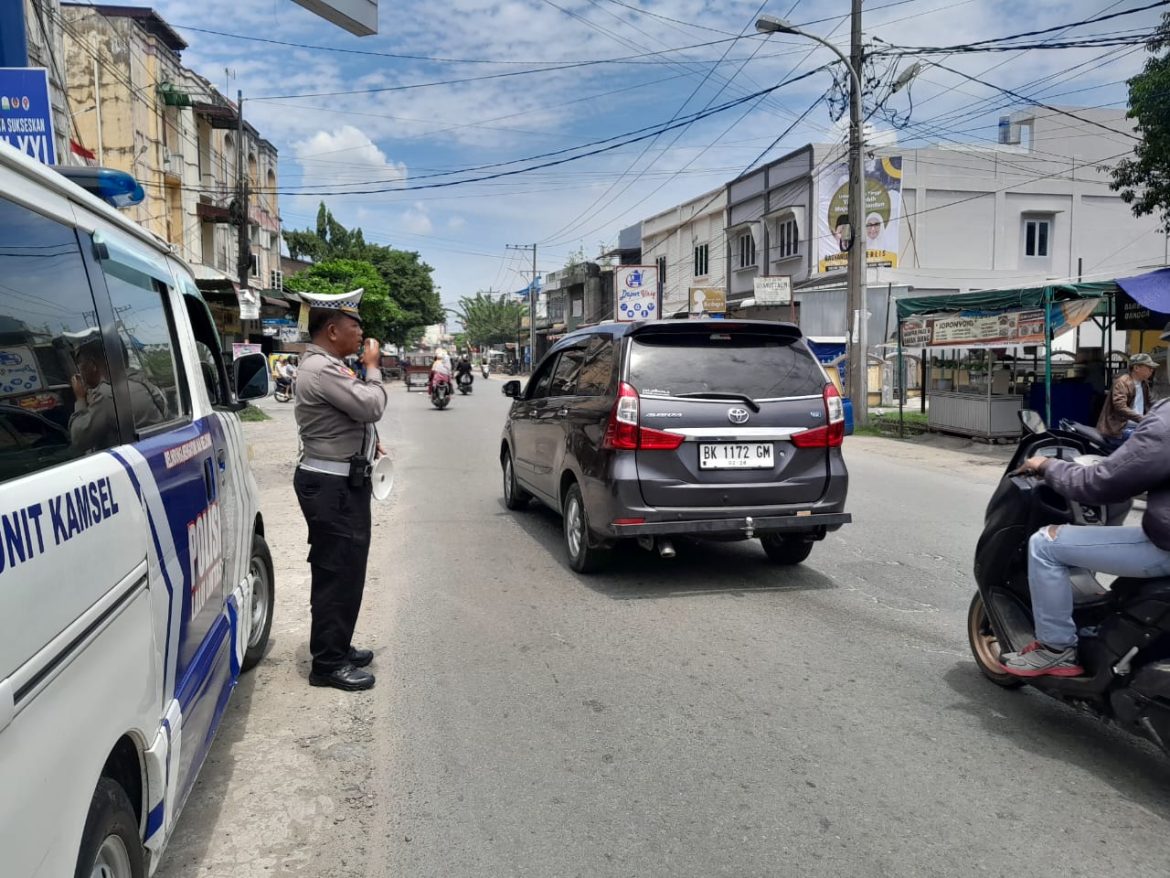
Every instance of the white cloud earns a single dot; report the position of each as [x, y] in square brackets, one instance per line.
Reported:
[416, 221]
[456, 222]
[344, 157]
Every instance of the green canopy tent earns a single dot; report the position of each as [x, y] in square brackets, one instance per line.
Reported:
[1051, 301]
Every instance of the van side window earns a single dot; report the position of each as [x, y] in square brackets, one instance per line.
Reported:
[55, 398]
[147, 346]
[541, 380]
[597, 369]
[564, 382]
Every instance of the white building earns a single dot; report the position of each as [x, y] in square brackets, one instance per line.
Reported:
[687, 244]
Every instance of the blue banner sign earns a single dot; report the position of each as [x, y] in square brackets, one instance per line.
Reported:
[26, 114]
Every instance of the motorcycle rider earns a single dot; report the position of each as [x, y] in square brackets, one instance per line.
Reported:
[463, 367]
[440, 368]
[1142, 463]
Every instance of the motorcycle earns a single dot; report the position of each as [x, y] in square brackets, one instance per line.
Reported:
[440, 391]
[1123, 630]
[284, 391]
[465, 381]
[484, 370]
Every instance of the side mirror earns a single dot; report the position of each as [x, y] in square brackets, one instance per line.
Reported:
[511, 388]
[1032, 422]
[250, 376]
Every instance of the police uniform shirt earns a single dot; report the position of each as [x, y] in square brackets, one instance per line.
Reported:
[335, 409]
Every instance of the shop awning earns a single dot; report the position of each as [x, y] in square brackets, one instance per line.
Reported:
[1020, 299]
[1152, 290]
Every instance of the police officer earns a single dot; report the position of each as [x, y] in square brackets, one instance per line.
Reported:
[336, 412]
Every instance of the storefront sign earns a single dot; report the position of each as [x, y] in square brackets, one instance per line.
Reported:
[883, 214]
[993, 329]
[707, 301]
[773, 290]
[241, 348]
[1133, 315]
[26, 114]
[635, 292]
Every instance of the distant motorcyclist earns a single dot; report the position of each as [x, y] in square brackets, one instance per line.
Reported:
[1142, 463]
[440, 368]
[463, 367]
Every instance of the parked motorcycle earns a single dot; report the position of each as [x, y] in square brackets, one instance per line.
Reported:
[440, 391]
[1124, 630]
[465, 382]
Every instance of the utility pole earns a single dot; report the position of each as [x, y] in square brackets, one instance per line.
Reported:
[531, 302]
[244, 265]
[858, 317]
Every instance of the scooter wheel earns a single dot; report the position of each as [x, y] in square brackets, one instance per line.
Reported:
[985, 645]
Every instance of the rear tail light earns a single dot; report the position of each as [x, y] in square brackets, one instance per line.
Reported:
[833, 433]
[622, 433]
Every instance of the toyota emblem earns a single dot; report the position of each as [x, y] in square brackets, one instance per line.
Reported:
[738, 415]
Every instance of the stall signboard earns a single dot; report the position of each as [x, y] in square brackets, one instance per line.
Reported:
[635, 292]
[707, 301]
[993, 328]
[241, 348]
[883, 214]
[1133, 315]
[26, 113]
[772, 290]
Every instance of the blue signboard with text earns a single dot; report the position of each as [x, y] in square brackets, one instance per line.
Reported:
[26, 113]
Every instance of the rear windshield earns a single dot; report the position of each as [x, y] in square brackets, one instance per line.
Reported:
[760, 366]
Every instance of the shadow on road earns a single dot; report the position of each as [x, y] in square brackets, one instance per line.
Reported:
[1051, 730]
[735, 568]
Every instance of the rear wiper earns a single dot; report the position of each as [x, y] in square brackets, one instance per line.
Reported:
[742, 397]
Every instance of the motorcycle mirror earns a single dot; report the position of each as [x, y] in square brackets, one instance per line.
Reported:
[1032, 421]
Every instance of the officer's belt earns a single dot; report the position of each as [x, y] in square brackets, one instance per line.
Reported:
[320, 465]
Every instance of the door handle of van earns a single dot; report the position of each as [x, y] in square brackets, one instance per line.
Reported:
[208, 479]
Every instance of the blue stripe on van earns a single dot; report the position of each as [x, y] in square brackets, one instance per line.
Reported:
[154, 820]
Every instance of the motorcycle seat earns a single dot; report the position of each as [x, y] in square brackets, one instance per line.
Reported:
[1086, 431]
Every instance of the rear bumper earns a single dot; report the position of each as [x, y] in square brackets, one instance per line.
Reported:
[745, 525]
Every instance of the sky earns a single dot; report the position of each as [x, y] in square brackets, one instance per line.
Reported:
[441, 90]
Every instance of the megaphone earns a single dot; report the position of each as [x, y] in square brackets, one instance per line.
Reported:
[382, 478]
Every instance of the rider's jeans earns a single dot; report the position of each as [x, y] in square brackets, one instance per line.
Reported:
[1121, 551]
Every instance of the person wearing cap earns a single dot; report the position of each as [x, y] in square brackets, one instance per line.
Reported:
[1128, 401]
[93, 425]
[336, 413]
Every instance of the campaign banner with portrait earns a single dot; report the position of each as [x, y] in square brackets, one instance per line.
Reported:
[883, 213]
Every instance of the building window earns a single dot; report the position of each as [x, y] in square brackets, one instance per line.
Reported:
[1037, 237]
[276, 280]
[746, 245]
[701, 261]
[787, 239]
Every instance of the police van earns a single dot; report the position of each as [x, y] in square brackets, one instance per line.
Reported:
[135, 583]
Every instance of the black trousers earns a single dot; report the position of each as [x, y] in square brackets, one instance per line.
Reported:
[339, 545]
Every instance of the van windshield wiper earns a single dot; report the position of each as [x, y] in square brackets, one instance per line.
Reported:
[742, 397]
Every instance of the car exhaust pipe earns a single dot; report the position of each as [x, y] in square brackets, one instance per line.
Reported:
[666, 549]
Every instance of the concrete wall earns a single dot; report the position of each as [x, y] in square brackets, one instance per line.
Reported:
[675, 234]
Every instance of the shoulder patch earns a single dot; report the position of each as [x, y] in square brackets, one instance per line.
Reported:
[345, 370]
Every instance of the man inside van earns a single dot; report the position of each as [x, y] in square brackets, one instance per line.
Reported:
[93, 425]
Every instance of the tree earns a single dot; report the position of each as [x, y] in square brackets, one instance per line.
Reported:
[406, 277]
[380, 313]
[488, 320]
[1144, 180]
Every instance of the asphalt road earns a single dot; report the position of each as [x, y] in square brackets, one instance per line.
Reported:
[713, 715]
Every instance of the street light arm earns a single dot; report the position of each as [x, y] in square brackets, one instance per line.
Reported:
[767, 26]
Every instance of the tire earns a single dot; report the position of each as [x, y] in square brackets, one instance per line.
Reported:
[515, 497]
[110, 846]
[785, 550]
[263, 602]
[583, 557]
[985, 645]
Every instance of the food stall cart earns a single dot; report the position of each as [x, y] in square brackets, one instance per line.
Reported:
[972, 391]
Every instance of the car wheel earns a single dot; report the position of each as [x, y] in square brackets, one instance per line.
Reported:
[515, 497]
[985, 645]
[110, 847]
[263, 602]
[785, 550]
[583, 556]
